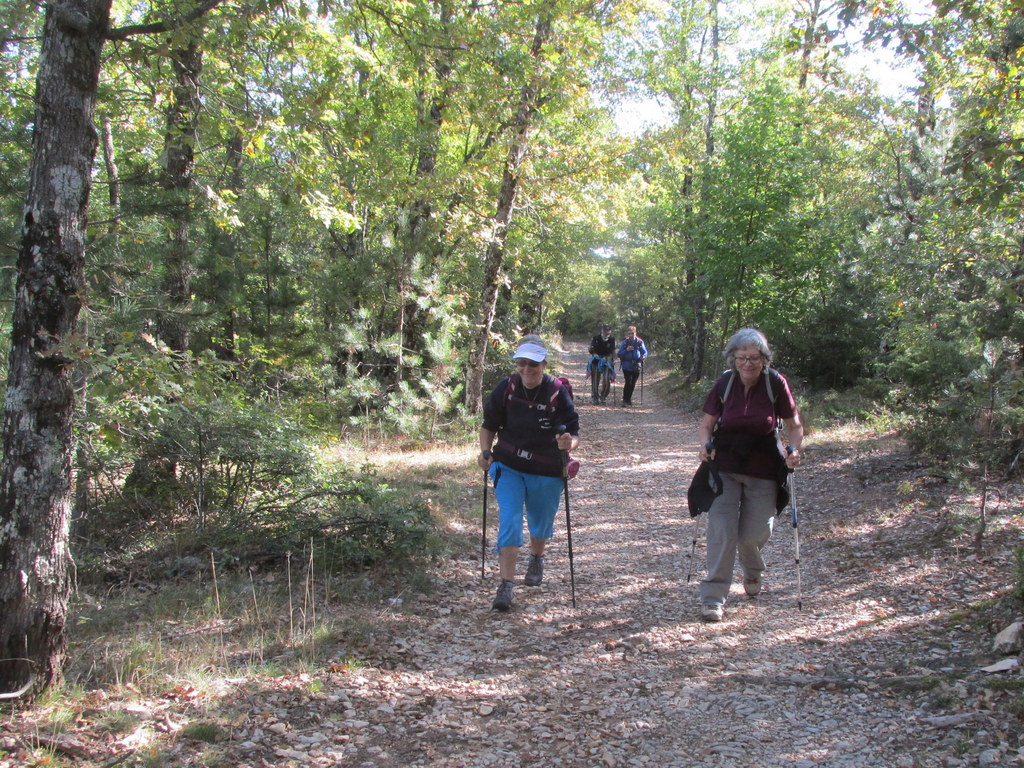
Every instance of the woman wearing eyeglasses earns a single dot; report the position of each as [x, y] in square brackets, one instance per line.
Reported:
[740, 432]
[528, 419]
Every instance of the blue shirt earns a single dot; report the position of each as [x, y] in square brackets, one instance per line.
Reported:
[631, 358]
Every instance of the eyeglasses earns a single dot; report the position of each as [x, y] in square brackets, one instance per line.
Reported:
[742, 360]
[523, 363]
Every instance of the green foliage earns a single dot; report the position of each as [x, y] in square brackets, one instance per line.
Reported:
[363, 520]
[201, 731]
[1018, 567]
[585, 315]
[834, 343]
[347, 167]
[862, 404]
[927, 360]
[979, 415]
[205, 466]
[233, 460]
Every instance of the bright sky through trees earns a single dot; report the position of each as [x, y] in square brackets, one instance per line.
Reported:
[895, 76]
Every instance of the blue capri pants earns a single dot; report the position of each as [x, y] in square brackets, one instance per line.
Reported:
[516, 490]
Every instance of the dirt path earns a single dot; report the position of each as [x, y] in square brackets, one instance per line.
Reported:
[862, 676]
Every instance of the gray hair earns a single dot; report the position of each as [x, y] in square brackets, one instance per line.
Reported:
[746, 337]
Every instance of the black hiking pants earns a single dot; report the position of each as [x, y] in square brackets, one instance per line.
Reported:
[629, 385]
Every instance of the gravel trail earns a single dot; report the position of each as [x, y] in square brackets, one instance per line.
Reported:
[862, 676]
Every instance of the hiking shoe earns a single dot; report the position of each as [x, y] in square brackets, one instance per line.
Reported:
[503, 600]
[752, 587]
[712, 612]
[534, 571]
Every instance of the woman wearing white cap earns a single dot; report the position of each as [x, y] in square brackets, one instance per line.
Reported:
[532, 416]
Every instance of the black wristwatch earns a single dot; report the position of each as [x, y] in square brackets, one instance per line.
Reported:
[485, 454]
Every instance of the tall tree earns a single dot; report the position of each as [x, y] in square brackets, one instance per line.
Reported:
[179, 160]
[699, 299]
[530, 99]
[35, 476]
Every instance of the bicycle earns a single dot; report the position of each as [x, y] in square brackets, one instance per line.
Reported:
[602, 372]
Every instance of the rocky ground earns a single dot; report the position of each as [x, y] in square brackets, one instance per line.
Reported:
[870, 653]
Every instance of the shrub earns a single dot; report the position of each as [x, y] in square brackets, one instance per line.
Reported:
[1018, 561]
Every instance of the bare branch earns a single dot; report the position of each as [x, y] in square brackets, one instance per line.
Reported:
[157, 27]
[21, 691]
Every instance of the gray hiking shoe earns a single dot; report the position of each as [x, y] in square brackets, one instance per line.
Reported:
[712, 612]
[534, 571]
[752, 587]
[503, 600]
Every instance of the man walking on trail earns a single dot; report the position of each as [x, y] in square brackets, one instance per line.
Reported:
[533, 418]
[603, 343]
[632, 353]
[601, 368]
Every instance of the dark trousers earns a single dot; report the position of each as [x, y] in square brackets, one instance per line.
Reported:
[629, 386]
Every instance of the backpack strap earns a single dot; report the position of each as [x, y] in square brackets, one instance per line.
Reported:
[557, 386]
[515, 379]
[728, 377]
[769, 374]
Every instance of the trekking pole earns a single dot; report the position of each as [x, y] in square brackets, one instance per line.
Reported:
[693, 547]
[568, 521]
[642, 366]
[796, 539]
[483, 532]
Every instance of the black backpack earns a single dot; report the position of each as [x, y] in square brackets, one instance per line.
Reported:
[558, 383]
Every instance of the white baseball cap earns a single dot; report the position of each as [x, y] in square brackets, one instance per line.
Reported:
[531, 350]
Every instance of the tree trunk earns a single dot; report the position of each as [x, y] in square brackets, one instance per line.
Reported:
[422, 241]
[809, 41]
[179, 149]
[35, 484]
[224, 259]
[495, 256]
[155, 472]
[113, 177]
[700, 302]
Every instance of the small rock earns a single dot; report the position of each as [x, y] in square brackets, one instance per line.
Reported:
[1010, 640]
[1002, 666]
[989, 757]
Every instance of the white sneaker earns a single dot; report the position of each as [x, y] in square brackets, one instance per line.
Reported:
[712, 612]
[752, 587]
